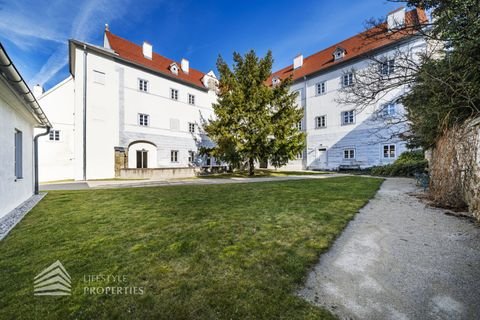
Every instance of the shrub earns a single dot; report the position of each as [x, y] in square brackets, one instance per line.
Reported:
[407, 164]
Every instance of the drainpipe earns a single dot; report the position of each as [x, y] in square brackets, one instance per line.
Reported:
[35, 155]
[84, 112]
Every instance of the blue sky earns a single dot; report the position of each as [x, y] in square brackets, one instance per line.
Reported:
[35, 32]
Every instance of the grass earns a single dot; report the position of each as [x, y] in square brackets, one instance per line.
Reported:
[200, 252]
[261, 173]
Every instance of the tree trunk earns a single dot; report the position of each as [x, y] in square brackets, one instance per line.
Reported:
[251, 167]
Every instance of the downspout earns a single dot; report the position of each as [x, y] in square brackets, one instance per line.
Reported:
[84, 112]
[35, 155]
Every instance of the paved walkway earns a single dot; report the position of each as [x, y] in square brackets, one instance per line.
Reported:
[400, 259]
[110, 184]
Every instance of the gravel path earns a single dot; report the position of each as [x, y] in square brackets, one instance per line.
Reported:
[400, 259]
[11, 219]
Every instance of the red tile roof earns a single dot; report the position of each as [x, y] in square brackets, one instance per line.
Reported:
[355, 46]
[132, 52]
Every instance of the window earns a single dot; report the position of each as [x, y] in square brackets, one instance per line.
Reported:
[349, 153]
[191, 127]
[54, 135]
[321, 122]
[387, 67]
[347, 79]
[174, 156]
[143, 85]
[388, 110]
[191, 99]
[18, 154]
[98, 77]
[299, 125]
[300, 155]
[348, 117]
[389, 151]
[174, 94]
[321, 88]
[143, 119]
[142, 159]
[191, 156]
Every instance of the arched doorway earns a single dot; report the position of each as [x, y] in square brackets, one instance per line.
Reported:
[142, 154]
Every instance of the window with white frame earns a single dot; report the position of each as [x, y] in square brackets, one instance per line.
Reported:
[191, 99]
[321, 122]
[299, 125]
[389, 151]
[349, 153]
[18, 143]
[54, 135]
[388, 110]
[174, 156]
[347, 79]
[143, 119]
[348, 117]
[321, 88]
[191, 127]
[300, 155]
[191, 156]
[174, 94]
[143, 85]
[387, 67]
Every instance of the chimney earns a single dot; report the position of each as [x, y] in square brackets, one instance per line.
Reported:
[147, 50]
[396, 19]
[37, 91]
[185, 65]
[298, 61]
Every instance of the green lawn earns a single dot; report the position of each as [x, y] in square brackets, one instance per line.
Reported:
[259, 173]
[236, 251]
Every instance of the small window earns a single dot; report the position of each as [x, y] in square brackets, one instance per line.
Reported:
[98, 77]
[321, 122]
[275, 81]
[387, 67]
[347, 79]
[143, 119]
[54, 135]
[388, 110]
[299, 125]
[174, 156]
[349, 153]
[389, 151]
[191, 156]
[191, 127]
[174, 94]
[348, 117]
[18, 154]
[300, 155]
[143, 85]
[191, 99]
[321, 88]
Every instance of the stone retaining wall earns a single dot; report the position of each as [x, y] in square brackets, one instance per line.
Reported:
[158, 173]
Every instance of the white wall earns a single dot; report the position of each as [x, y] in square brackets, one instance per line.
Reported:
[56, 158]
[13, 115]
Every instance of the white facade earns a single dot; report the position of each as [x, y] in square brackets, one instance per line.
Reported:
[17, 122]
[118, 94]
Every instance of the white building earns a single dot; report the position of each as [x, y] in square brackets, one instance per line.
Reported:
[338, 135]
[19, 115]
[123, 106]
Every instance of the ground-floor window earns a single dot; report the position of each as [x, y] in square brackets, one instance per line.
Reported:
[191, 156]
[389, 151]
[174, 156]
[142, 159]
[349, 153]
[18, 154]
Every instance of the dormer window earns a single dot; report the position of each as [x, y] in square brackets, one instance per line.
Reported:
[174, 68]
[338, 54]
[275, 81]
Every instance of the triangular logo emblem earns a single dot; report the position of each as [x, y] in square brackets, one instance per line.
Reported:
[53, 281]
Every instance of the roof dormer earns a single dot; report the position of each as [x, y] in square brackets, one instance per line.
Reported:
[339, 53]
[210, 80]
[174, 68]
[275, 81]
